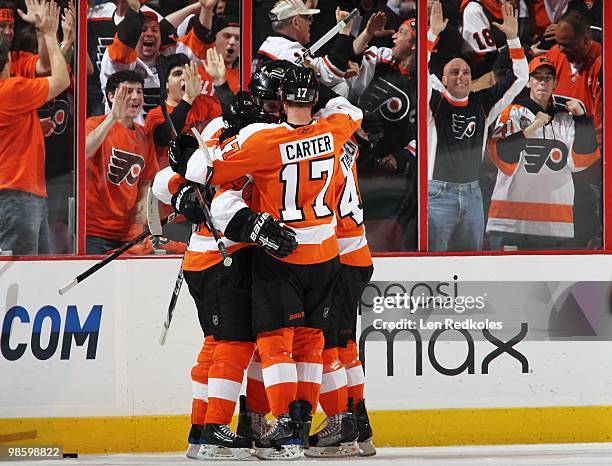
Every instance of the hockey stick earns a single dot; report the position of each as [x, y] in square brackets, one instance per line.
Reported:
[94, 268]
[153, 220]
[208, 220]
[329, 35]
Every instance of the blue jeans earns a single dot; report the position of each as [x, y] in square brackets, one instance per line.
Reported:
[99, 245]
[24, 227]
[455, 216]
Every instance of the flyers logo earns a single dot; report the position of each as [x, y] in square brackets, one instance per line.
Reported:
[463, 127]
[124, 166]
[383, 96]
[549, 152]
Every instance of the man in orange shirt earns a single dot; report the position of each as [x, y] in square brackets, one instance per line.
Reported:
[23, 203]
[187, 106]
[23, 63]
[577, 59]
[121, 162]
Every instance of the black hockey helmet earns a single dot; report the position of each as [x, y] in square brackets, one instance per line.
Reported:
[300, 85]
[244, 111]
[266, 81]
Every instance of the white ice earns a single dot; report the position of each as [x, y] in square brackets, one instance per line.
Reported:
[584, 453]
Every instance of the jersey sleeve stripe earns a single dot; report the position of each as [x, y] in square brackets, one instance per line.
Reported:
[585, 160]
[507, 168]
[120, 52]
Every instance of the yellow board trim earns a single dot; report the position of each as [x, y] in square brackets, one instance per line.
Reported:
[421, 428]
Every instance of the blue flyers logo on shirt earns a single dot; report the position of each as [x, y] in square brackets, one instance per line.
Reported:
[124, 166]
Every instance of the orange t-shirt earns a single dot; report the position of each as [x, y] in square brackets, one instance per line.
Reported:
[202, 111]
[124, 160]
[23, 64]
[22, 146]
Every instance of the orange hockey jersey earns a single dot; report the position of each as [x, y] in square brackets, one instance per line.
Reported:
[292, 169]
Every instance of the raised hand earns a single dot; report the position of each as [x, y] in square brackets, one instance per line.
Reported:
[437, 23]
[376, 25]
[49, 18]
[34, 12]
[134, 5]
[215, 66]
[68, 22]
[193, 82]
[340, 15]
[510, 24]
[121, 101]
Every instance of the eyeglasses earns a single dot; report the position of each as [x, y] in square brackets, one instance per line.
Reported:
[307, 18]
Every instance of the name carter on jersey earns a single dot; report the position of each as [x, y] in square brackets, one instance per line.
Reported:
[316, 146]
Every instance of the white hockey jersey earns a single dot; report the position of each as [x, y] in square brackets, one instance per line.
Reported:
[534, 192]
[119, 56]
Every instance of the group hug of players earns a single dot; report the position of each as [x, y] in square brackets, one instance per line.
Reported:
[280, 174]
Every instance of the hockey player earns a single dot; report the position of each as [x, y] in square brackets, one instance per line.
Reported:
[343, 379]
[292, 166]
[222, 296]
[291, 21]
[536, 149]
[457, 123]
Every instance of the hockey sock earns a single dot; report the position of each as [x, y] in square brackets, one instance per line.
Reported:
[307, 352]
[334, 391]
[257, 400]
[354, 371]
[199, 381]
[230, 360]
[278, 368]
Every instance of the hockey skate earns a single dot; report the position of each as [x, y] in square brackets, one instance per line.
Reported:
[287, 436]
[251, 425]
[338, 439]
[194, 440]
[366, 446]
[220, 443]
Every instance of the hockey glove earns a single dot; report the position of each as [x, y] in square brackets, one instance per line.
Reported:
[270, 234]
[180, 151]
[373, 125]
[185, 202]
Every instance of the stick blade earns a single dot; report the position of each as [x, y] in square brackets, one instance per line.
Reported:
[164, 334]
[67, 286]
[153, 220]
